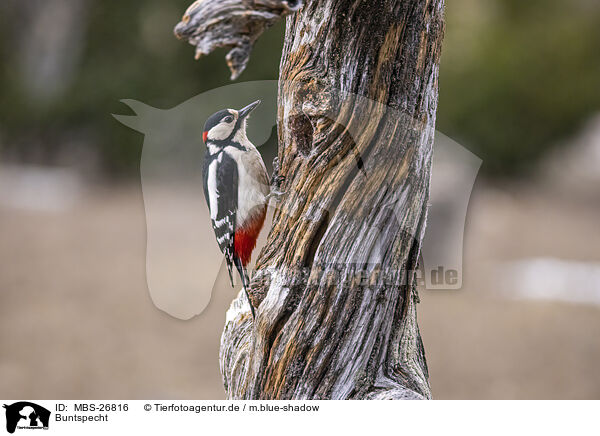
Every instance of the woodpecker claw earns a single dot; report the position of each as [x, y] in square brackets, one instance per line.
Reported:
[276, 181]
[276, 194]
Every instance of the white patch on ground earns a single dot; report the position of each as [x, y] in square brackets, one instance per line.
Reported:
[39, 188]
[551, 279]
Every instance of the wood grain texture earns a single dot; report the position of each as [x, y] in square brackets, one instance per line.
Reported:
[335, 285]
[236, 24]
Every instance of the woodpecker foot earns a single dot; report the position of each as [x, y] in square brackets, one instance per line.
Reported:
[276, 179]
[275, 195]
[276, 182]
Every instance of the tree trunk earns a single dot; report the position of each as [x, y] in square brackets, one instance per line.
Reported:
[335, 285]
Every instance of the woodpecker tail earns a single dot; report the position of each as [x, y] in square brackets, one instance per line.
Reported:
[245, 281]
[230, 260]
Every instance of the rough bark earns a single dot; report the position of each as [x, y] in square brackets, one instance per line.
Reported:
[237, 24]
[335, 285]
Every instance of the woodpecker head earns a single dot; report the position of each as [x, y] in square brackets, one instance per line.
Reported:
[227, 123]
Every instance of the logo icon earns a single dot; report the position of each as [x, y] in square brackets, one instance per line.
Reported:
[26, 415]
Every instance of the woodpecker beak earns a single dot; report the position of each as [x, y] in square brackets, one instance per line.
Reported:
[243, 113]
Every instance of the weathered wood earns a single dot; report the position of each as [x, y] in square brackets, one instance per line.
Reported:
[210, 24]
[335, 285]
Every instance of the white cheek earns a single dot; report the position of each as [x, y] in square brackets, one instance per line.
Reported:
[240, 136]
[220, 131]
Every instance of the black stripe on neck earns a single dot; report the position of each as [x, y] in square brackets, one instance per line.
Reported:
[222, 143]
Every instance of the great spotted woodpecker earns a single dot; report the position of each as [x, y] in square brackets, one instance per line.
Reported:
[236, 187]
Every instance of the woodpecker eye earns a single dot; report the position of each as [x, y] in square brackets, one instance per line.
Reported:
[228, 119]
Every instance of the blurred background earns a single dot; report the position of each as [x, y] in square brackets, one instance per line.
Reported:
[520, 88]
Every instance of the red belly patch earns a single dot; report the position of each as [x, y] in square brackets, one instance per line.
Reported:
[246, 236]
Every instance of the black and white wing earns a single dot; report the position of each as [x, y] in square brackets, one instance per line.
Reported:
[220, 190]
